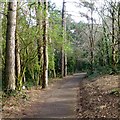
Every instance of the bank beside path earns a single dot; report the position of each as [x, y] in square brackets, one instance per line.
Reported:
[100, 97]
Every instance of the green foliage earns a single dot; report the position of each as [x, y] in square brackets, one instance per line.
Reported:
[115, 91]
[15, 94]
[77, 45]
[29, 83]
[71, 65]
[8, 93]
[100, 70]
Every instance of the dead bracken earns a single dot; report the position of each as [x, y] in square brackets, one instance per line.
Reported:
[95, 100]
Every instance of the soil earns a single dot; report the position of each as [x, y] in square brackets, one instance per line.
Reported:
[71, 97]
[97, 98]
[59, 100]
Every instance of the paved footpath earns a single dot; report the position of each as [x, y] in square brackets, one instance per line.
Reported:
[58, 101]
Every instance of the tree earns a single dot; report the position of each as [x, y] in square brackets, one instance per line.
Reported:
[119, 32]
[65, 40]
[63, 53]
[91, 37]
[10, 46]
[45, 45]
[1, 38]
[39, 39]
[17, 55]
[112, 11]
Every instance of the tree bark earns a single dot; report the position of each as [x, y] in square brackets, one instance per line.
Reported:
[10, 46]
[17, 53]
[45, 45]
[91, 42]
[65, 40]
[113, 37]
[63, 53]
[39, 40]
[119, 33]
[1, 39]
[106, 45]
[62, 62]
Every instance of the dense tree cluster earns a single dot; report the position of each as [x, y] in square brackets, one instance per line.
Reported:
[40, 42]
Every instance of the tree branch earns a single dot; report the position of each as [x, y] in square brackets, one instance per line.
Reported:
[3, 14]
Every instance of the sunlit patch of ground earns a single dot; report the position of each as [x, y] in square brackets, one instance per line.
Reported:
[15, 105]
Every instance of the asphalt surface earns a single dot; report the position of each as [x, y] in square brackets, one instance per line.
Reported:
[57, 101]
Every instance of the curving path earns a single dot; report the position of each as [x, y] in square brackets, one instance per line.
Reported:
[57, 101]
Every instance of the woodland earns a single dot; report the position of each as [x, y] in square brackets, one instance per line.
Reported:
[40, 42]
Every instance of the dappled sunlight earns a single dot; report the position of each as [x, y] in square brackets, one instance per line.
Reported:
[60, 59]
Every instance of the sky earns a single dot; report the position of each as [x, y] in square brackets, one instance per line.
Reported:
[72, 9]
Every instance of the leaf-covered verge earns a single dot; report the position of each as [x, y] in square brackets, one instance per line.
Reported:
[14, 104]
[99, 97]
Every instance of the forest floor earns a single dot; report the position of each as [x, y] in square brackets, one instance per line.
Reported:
[59, 100]
[100, 97]
[71, 97]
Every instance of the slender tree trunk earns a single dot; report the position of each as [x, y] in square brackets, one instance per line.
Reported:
[17, 53]
[45, 45]
[62, 49]
[17, 56]
[62, 61]
[10, 46]
[91, 42]
[106, 45]
[53, 57]
[39, 40]
[107, 51]
[64, 37]
[65, 72]
[1, 40]
[53, 63]
[113, 37]
[119, 32]
[54, 72]
[63, 53]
